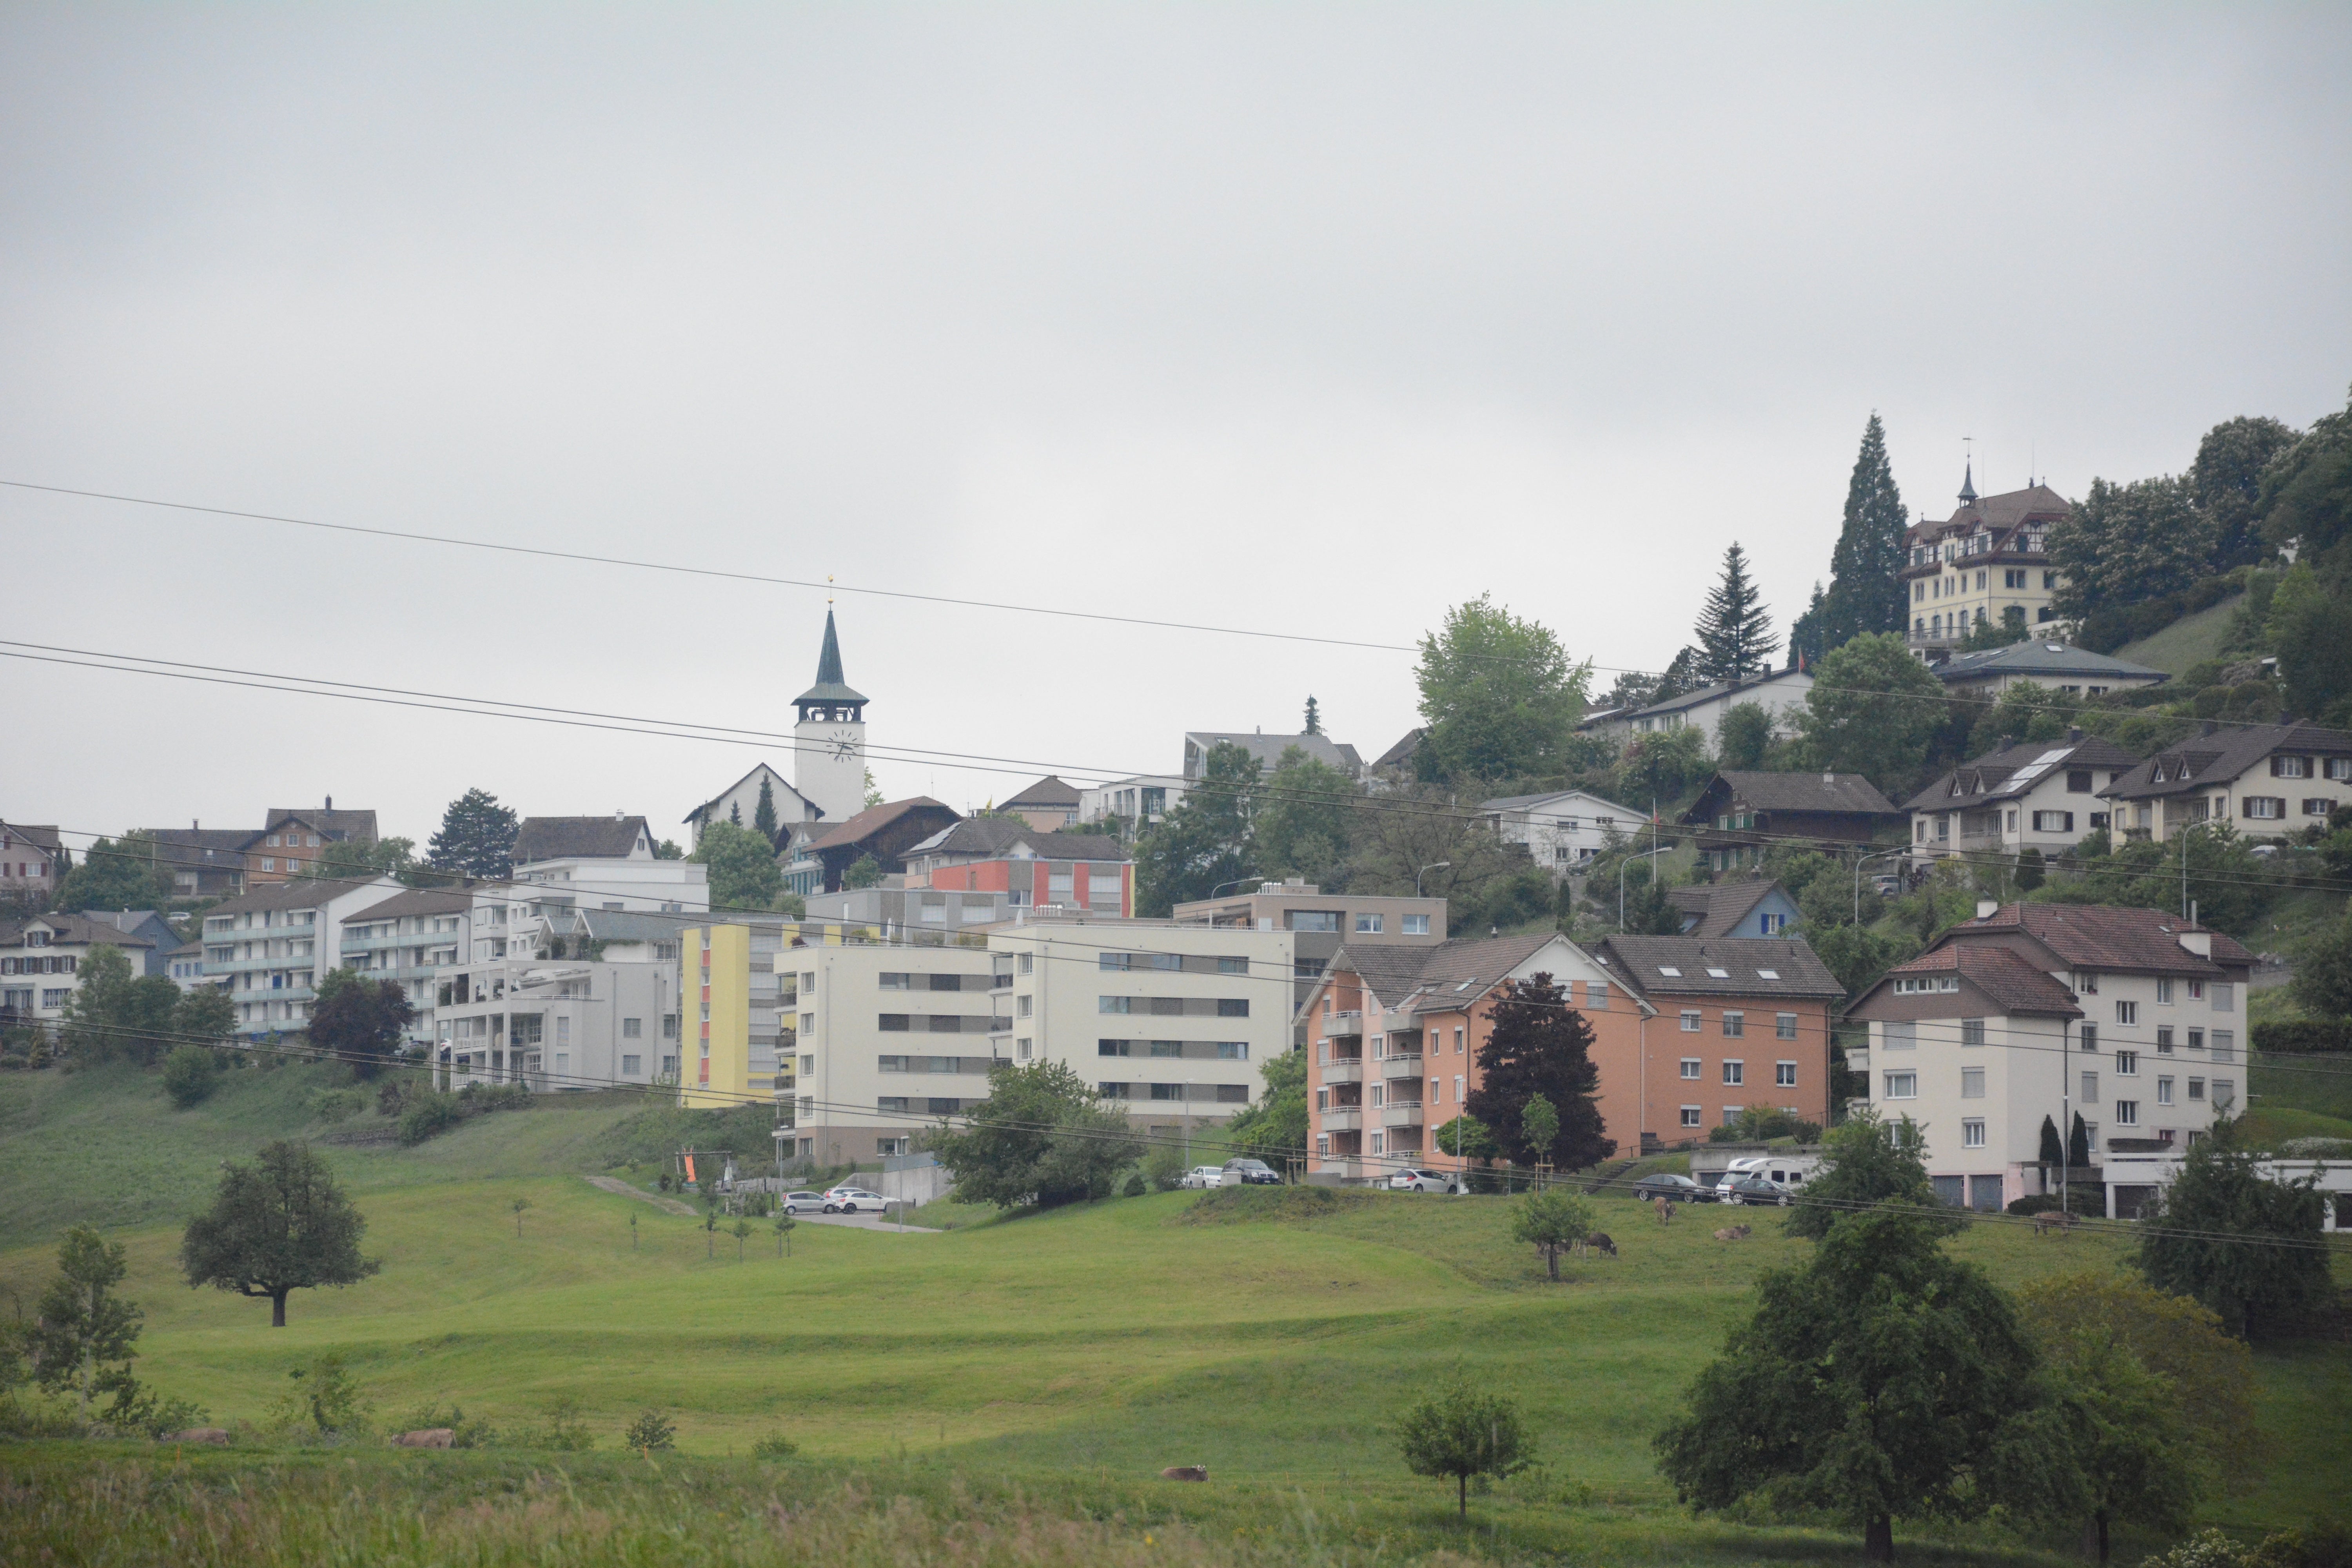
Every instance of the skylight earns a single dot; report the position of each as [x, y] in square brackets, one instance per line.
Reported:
[1670, 972]
[1718, 974]
[1768, 975]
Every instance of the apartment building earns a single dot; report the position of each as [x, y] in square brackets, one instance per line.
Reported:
[206, 862]
[1031, 868]
[2129, 1017]
[1988, 562]
[1142, 800]
[2264, 779]
[556, 1026]
[1741, 814]
[1780, 693]
[42, 959]
[607, 863]
[902, 913]
[2040, 794]
[1318, 922]
[2058, 667]
[1049, 806]
[409, 939]
[32, 858]
[1172, 1021]
[270, 946]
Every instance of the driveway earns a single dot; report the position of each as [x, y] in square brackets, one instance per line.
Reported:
[867, 1222]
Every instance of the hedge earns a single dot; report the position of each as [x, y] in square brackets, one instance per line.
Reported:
[2296, 1035]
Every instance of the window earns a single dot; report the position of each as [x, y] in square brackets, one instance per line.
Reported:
[2164, 1039]
[2126, 1063]
[2290, 767]
[1690, 1021]
[2126, 1012]
[1596, 995]
[1233, 1050]
[2088, 985]
[1735, 1072]
[633, 1028]
[1784, 1075]
[1310, 920]
[2164, 1091]
[1735, 1025]
[1416, 925]
[2196, 1039]
[2126, 1113]
[1110, 1047]
[1901, 1086]
[1972, 1031]
[894, 1022]
[1028, 963]
[2090, 1094]
[2225, 1045]
[1111, 1090]
[2196, 1089]
[1899, 1035]
[1166, 1049]
[1114, 1003]
[670, 1025]
[1926, 985]
[1690, 1115]
[2225, 996]
[1784, 1025]
[1238, 966]
[632, 1066]
[2053, 822]
[1025, 1004]
[892, 981]
[1233, 1006]
[2262, 808]
[1370, 924]
[1973, 1134]
[2164, 993]
[1691, 1065]
[2090, 1037]
[2318, 805]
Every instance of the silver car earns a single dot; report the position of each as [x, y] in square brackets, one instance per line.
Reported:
[1424, 1182]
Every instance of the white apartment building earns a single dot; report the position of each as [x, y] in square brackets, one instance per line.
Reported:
[1561, 830]
[408, 939]
[1780, 693]
[42, 958]
[2129, 1018]
[607, 862]
[884, 1040]
[1142, 800]
[557, 1025]
[2040, 794]
[269, 948]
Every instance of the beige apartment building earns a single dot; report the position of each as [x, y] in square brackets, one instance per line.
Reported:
[1318, 923]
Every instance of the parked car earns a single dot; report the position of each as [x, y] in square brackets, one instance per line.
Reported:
[852, 1200]
[1424, 1182]
[1673, 1188]
[1248, 1173]
[1751, 1189]
[803, 1202]
[1203, 1177]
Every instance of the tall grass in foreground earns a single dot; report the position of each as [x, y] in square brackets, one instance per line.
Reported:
[340, 1514]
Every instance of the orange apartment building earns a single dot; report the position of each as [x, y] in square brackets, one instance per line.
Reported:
[1687, 1032]
[1034, 870]
[294, 838]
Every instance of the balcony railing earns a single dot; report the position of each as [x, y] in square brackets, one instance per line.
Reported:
[1405, 1115]
[1344, 1027]
[1341, 1118]
[1857, 1058]
[1344, 1069]
[1405, 1066]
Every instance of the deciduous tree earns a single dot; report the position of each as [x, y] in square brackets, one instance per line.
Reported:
[743, 871]
[1275, 1129]
[278, 1225]
[1499, 694]
[1551, 1221]
[1872, 711]
[2247, 1248]
[1039, 1138]
[1868, 1161]
[360, 1021]
[1461, 1433]
[357, 859]
[115, 1014]
[1204, 842]
[82, 1332]
[125, 873]
[1740, 739]
[2122, 544]
[476, 837]
[1537, 1045]
[1306, 820]
[2225, 483]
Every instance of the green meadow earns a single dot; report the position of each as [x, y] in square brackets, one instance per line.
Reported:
[1010, 1374]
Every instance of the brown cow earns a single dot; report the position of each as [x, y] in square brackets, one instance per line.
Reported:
[1666, 1211]
[1185, 1473]
[433, 1437]
[1733, 1233]
[216, 1436]
[1599, 1242]
[2060, 1220]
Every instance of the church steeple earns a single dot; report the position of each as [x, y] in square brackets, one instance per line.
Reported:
[1967, 498]
[831, 697]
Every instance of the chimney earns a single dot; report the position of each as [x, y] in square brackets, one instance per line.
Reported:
[2074, 736]
[1828, 781]
[195, 826]
[1988, 907]
[330, 802]
[2207, 728]
[2199, 942]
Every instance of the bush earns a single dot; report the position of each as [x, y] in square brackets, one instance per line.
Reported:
[337, 1104]
[649, 1433]
[427, 1116]
[464, 1432]
[191, 1073]
[565, 1431]
[1135, 1186]
[2088, 1200]
[774, 1446]
[2296, 1035]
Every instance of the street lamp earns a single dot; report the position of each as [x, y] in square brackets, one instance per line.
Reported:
[1425, 870]
[1858, 865]
[1220, 887]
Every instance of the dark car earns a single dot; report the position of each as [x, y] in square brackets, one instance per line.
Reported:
[1752, 1190]
[1676, 1189]
[1249, 1173]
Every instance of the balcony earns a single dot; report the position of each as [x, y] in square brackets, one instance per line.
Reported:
[1344, 1027]
[1344, 1069]
[1340, 1119]
[1402, 1066]
[1406, 1115]
[1857, 1058]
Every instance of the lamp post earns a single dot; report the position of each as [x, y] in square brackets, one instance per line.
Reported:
[1425, 870]
[1858, 865]
[1220, 887]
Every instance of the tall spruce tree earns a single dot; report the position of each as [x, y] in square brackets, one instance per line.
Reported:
[1865, 592]
[1314, 716]
[476, 837]
[763, 816]
[1734, 631]
[1807, 634]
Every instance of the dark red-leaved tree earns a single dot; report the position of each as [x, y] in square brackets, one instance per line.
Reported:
[1540, 1046]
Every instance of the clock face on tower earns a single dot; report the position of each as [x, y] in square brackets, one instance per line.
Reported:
[843, 744]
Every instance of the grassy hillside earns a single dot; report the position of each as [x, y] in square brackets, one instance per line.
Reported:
[2187, 642]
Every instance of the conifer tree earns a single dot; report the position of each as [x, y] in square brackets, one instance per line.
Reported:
[763, 816]
[1734, 631]
[1314, 718]
[476, 837]
[1808, 633]
[1865, 592]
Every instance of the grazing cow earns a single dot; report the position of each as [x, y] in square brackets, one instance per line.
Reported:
[216, 1436]
[434, 1437]
[1666, 1211]
[2060, 1220]
[1599, 1242]
[1733, 1233]
[1185, 1473]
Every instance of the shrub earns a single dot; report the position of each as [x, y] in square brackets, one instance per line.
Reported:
[336, 1104]
[2302, 1035]
[1135, 1186]
[190, 1075]
[774, 1446]
[464, 1432]
[649, 1433]
[428, 1116]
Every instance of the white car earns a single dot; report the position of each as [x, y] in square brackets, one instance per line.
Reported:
[801, 1203]
[1203, 1177]
[1424, 1182]
[851, 1200]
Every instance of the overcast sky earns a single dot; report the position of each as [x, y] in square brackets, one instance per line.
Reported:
[1316, 319]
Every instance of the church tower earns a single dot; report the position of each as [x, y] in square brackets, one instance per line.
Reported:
[829, 740]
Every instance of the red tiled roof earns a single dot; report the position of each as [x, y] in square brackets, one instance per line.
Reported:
[2012, 982]
[2096, 937]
